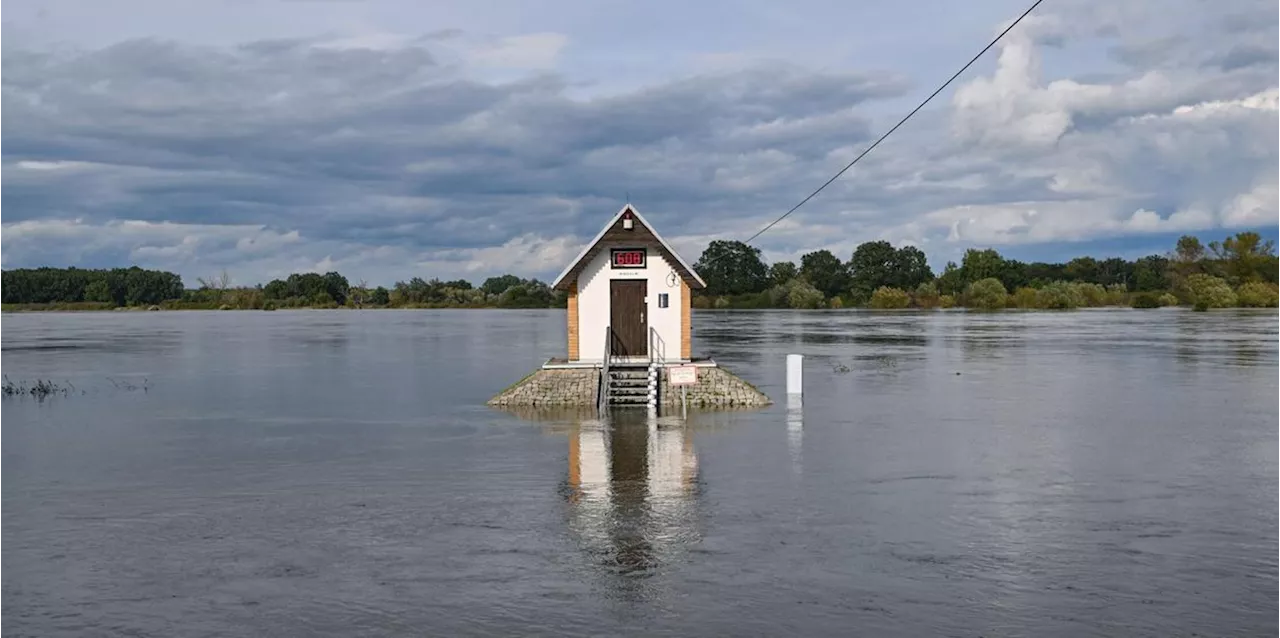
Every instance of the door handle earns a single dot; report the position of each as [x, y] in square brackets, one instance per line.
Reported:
[642, 317]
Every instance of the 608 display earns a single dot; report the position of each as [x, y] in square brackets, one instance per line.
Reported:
[628, 258]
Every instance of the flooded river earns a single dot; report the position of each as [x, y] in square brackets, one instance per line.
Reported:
[335, 473]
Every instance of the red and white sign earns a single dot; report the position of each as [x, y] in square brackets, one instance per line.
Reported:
[683, 375]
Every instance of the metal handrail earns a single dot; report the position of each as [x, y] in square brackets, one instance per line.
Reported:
[657, 348]
[602, 403]
[658, 356]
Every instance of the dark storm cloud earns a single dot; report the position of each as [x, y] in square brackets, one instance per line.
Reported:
[291, 134]
[387, 158]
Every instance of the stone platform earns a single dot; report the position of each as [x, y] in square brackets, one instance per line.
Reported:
[563, 384]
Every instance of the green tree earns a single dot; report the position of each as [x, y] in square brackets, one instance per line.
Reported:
[1243, 256]
[527, 294]
[1113, 271]
[380, 297]
[276, 289]
[1014, 274]
[1149, 273]
[1082, 269]
[910, 268]
[982, 264]
[951, 281]
[987, 293]
[337, 287]
[1189, 250]
[1039, 273]
[498, 285]
[825, 272]
[732, 268]
[97, 290]
[872, 265]
[781, 272]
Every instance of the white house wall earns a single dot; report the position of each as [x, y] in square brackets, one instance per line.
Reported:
[593, 303]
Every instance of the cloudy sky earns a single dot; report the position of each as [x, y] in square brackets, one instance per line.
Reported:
[394, 139]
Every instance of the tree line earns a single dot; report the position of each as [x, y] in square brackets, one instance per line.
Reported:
[78, 288]
[333, 290]
[1240, 270]
[115, 287]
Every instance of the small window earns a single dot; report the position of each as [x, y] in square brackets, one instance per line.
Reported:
[662, 300]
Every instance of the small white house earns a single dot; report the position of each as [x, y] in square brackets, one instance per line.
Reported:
[629, 294]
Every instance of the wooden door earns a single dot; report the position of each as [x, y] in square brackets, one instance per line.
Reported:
[628, 317]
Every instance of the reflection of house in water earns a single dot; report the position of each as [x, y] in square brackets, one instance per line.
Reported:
[632, 490]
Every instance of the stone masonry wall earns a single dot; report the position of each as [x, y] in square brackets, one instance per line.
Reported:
[716, 387]
[552, 387]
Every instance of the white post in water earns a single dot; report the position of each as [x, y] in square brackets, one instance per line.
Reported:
[795, 374]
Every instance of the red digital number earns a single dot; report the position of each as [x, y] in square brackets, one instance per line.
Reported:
[628, 258]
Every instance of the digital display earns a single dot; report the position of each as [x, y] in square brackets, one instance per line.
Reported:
[628, 257]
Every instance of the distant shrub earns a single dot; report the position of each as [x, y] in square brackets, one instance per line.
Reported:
[1026, 298]
[1094, 295]
[887, 298]
[1168, 299]
[987, 294]
[269, 304]
[926, 295]
[751, 301]
[721, 303]
[778, 296]
[802, 295]
[1117, 295]
[1256, 294]
[946, 301]
[1061, 295]
[1209, 291]
[836, 303]
[1146, 300]
[701, 302]
[224, 307]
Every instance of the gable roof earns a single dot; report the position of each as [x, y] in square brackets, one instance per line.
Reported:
[613, 235]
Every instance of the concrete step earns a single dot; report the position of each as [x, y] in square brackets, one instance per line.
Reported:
[636, 401]
[629, 392]
[628, 383]
[641, 374]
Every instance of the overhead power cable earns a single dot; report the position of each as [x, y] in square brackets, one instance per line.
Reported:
[900, 123]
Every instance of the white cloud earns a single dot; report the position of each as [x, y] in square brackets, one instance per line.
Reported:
[529, 51]
[33, 165]
[1255, 208]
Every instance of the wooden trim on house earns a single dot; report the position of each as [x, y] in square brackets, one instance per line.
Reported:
[615, 235]
[573, 321]
[686, 323]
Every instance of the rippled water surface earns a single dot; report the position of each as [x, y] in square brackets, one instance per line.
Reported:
[335, 473]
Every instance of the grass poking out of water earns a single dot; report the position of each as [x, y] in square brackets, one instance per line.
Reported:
[40, 388]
